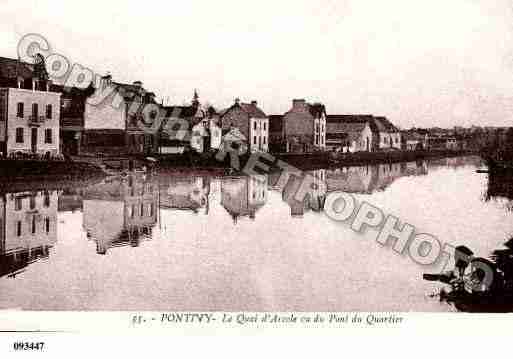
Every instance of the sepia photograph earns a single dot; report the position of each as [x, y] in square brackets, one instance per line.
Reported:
[267, 159]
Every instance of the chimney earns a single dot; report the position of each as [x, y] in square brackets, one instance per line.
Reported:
[138, 84]
[254, 103]
[298, 103]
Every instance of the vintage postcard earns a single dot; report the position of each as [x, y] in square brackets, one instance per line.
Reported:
[255, 167]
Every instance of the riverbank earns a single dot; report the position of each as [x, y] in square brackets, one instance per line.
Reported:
[36, 172]
[309, 161]
[41, 174]
[330, 160]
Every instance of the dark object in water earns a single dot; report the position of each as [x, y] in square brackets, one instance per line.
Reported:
[497, 165]
[479, 302]
[443, 277]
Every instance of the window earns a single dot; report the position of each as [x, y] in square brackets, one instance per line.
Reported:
[265, 140]
[18, 228]
[17, 204]
[254, 125]
[48, 135]
[265, 126]
[49, 111]
[47, 225]
[47, 199]
[254, 140]
[32, 202]
[142, 210]
[35, 110]
[21, 110]
[19, 135]
[33, 224]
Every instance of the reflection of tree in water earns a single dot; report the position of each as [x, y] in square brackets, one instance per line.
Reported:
[500, 189]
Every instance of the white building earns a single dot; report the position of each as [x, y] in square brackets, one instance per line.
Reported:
[29, 121]
[29, 109]
[259, 133]
[320, 130]
[216, 134]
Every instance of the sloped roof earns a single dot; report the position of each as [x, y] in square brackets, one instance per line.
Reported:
[348, 118]
[384, 125]
[253, 110]
[339, 125]
[345, 127]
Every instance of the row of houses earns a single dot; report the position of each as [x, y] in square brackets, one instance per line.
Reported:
[432, 140]
[43, 118]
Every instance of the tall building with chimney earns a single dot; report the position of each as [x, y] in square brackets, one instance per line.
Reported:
[304, 127]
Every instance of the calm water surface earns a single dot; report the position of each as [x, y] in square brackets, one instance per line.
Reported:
[193, 241]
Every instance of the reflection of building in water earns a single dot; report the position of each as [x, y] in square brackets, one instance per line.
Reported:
[70, 201]
[243, 196]
[120, 211]
[28, 228]
[418, 168]
[187, 193]
[387, 174]
[352, 179]
[455, 162]
[301, 200]
[367, 179]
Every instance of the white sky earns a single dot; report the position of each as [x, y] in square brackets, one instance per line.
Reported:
[424, 63]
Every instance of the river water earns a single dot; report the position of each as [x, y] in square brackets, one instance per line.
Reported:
[197, 241]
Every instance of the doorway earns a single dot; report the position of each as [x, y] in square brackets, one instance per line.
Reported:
[33, 140]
